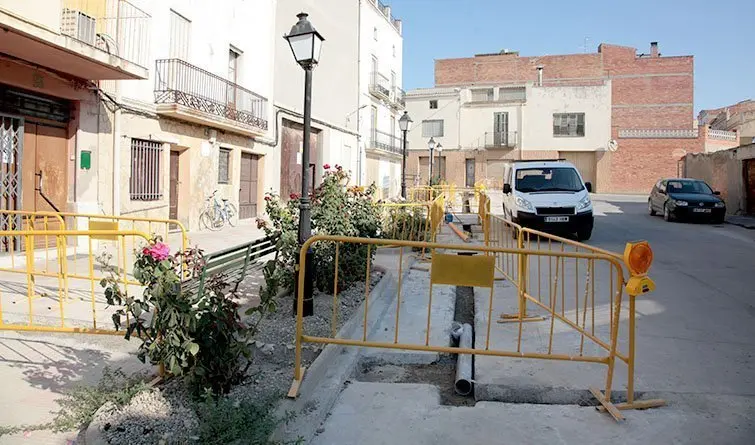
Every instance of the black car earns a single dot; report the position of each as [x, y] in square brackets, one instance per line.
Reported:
[686, 199]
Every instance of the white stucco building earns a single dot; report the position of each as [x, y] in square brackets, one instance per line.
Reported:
[351, 114]
[483, 126]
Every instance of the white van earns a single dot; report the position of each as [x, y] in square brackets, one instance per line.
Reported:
[548, 195]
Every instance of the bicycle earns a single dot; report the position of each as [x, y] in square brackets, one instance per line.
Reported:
[214, 215]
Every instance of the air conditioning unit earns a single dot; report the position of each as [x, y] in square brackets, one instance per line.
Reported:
[78, 25]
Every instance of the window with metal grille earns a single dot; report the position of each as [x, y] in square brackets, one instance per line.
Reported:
[432, 128]
[483, 95]
[569, 124]
[433, 104]
[518, 94]
[224, 164]
[146, 170]
[180, 36]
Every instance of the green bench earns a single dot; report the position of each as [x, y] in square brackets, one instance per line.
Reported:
[234, 263]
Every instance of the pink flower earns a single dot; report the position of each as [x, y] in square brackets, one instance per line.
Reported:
[326, 166]
[158, 251]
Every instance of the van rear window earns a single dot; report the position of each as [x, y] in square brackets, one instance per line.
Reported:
[558, 179]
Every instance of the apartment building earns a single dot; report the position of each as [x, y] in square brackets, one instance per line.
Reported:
[54, 54]
[355, 94]
[650, 113]
[135, 107]
[739, 118]
[481, 128]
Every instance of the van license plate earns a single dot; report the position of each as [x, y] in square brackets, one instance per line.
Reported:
[701, 210]
[556, 219]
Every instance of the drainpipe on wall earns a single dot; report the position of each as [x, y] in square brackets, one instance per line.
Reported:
[359, 93]
[117, 151]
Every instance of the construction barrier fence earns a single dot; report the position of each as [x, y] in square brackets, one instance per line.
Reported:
[583, 314]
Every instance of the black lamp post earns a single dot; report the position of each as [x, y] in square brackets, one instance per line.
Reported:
[439, 149]
[431, 146]
[405, 124]
[306, 44]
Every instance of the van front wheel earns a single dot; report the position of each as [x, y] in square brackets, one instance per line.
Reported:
[584, 234]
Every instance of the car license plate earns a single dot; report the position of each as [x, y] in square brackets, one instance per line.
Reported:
[556, 219]
[701, 210]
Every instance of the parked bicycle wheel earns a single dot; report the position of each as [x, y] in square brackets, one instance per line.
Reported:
[232, 214]
[207, 221]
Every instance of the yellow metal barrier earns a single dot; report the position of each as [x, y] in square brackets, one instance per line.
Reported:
[118, 248]
[79, 307]
[408, 221]
[589, 316]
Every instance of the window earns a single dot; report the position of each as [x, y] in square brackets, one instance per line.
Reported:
[548, 179]
[432, 128]
[146, 170]
[433, 104]
[233, 72]
[569, 124]
[483, 95]
[512, 94]
[224, 166]
[180, 36]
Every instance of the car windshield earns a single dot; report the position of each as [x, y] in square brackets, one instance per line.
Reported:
[688, 187]
[559, 179]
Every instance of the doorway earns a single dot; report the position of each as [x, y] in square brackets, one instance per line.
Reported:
[248, 186]
[501, 129]
[749, 166]
[469, 170]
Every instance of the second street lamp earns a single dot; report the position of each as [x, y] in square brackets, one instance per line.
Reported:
[306, 44]
[405, 124]
[431, 147]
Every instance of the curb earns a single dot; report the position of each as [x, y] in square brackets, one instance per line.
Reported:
[326, 376]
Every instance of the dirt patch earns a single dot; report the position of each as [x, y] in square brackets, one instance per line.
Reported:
[271, 371]
[441, 374]
[464, 309]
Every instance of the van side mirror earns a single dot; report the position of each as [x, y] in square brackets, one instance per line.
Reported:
[717, 193]
[588, 186]
[506, 189]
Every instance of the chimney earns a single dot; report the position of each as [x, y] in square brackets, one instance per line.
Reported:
[654, 49]
[539, 75]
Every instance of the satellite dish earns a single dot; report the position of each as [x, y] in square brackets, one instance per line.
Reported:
[613, 145]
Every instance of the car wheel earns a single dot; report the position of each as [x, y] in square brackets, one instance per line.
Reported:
[651, 210]
[667, 215]
[584, 234]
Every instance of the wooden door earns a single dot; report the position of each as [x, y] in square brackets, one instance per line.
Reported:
[750, 184]
[248, 186]
[469, 170]
[291, 157]
[174, 175]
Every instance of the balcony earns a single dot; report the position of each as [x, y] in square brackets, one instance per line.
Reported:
[500, 139]
[387, 142]
[187, 92]
[380, 86]
[88, 39]
[398, 98]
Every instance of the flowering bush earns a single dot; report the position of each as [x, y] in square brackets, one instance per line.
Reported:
[336, 210]
[197, 336]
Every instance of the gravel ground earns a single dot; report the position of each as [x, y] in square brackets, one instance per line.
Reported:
[164, 415]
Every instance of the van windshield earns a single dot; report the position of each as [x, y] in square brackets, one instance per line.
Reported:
[559, 179]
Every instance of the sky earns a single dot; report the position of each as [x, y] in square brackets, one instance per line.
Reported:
[721, 36]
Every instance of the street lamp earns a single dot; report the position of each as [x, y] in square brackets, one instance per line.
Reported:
[305, 43]
[405, 124]
[439, 149]
[431, 146]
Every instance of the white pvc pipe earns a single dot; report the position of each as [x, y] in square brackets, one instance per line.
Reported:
[463, 384]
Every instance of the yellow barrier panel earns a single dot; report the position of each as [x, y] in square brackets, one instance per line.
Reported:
[78, 307]
[588, 317]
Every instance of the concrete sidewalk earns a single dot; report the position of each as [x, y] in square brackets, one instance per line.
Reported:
[748, 222]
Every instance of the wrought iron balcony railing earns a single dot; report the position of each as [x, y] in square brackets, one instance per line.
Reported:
[179, 82]
[399, 98]
[500, 139]
[380, 86]
[385, 141]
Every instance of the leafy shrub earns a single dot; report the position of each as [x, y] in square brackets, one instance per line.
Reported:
[198, 337]
[336, 210]
[406, 223]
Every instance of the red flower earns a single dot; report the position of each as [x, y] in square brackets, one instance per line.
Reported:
[326, 166]
[268, 197]
[338, 167]
[293, 196]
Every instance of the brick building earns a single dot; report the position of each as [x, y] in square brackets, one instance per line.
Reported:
[651, 116]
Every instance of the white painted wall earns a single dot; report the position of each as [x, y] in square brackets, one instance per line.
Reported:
[45, 13]
[418, 106]
[248, 26]
[542, 102]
